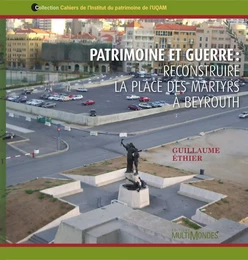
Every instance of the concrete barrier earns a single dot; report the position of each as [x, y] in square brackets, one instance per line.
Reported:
[83, 119]
[202, 195]
[64, 190]
[199, 194]
[99, 180]
[118, 175]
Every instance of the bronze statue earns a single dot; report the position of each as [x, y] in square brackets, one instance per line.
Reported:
[132, 157]
[137, 185]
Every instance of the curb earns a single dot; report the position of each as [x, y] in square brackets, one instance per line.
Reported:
[54, 153]
[20, 141]
[192, 137]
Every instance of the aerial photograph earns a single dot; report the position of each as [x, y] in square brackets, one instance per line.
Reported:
[126, 131]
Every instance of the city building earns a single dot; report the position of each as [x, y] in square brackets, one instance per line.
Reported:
[176, 36]
[138, 35]
[54, 25]
[23, 48]
[216, 37]
[72, 57]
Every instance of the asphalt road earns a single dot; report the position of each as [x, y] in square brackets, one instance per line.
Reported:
[85, 149]
[111, 99]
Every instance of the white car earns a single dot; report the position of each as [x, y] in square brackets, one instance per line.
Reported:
[243, 115]
[77, 97]
[54, 97]
[82, 89]
[132, 97]
[11, 98]
[145, 105]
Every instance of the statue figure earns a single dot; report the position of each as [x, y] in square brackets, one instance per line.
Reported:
[137, 185]
[132, 157]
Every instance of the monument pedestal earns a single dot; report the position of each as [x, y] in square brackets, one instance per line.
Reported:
[134, 199]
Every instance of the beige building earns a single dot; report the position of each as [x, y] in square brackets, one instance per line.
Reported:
[216, 37]
[176, 36]
[138, 36]
[23, 48]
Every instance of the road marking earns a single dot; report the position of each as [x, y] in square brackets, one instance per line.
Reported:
[186, 122]
[19, 129]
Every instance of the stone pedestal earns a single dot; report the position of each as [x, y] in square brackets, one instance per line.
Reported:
[134, 199]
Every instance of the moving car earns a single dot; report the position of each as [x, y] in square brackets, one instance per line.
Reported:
[48, 105]
[88, 103]
[243, 115]
[144, 99]
[82, 89]
[134, 107]
[145, 105]
[8, 135]
[54, 97]
[132, 97]
[35, 102]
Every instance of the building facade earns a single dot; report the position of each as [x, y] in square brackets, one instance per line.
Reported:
[176, 36]
[216, 37]
[138, 36]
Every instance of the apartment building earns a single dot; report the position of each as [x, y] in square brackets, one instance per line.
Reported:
[23, 48]
[138, 36]
[176, 36]
[216, 36]
[53, 25]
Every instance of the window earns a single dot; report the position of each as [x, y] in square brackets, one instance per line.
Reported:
[206, 45]
[200, 39]
[213, 45]
[184, 46]
[220, 46]
[200, 45]
[206, 39]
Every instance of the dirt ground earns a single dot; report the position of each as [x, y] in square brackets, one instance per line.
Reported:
[120, 163]
[29, 210]
[230, 164]
[234, 206]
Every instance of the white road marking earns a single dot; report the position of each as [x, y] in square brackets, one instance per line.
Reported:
[18, 129]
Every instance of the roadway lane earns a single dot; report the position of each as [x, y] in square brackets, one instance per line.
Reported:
[168, 118]
[111, 100]
[91, 149]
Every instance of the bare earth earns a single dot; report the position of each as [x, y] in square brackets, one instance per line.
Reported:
[234, 206]
[29, 210]
[230, 164]
[120, 163]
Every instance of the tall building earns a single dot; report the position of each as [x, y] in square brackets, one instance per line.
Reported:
[23, 48]
[216, 37]
[176, 36]
[53, 25]
[138, 36]
[76, 26]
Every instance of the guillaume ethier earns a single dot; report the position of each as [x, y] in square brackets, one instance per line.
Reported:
[191, 154]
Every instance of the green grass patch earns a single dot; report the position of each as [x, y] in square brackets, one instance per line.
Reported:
[190, 224]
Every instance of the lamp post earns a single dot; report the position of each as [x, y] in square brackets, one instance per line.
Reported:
[58, 136]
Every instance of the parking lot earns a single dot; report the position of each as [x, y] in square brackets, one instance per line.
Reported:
[111, 99]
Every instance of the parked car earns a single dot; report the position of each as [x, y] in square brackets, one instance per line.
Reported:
[154, 104]
[77, 97]
[134, 107]
[64, 98]
[54, 97]
[45, 96]
[35, 102]
[82, 89]
[21, 99]
[8, 135]
[132, 97]
[88, 102]
[48, 105]
[145, 105]
[92, 112]
[243, 115]
[144, 99]
[13, 98]
[27, 91]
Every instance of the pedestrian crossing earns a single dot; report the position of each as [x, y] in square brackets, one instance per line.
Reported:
[18, 129]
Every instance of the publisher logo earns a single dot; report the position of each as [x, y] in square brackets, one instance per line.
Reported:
[34, 7]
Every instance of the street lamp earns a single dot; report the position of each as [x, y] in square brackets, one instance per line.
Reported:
[58, 136]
